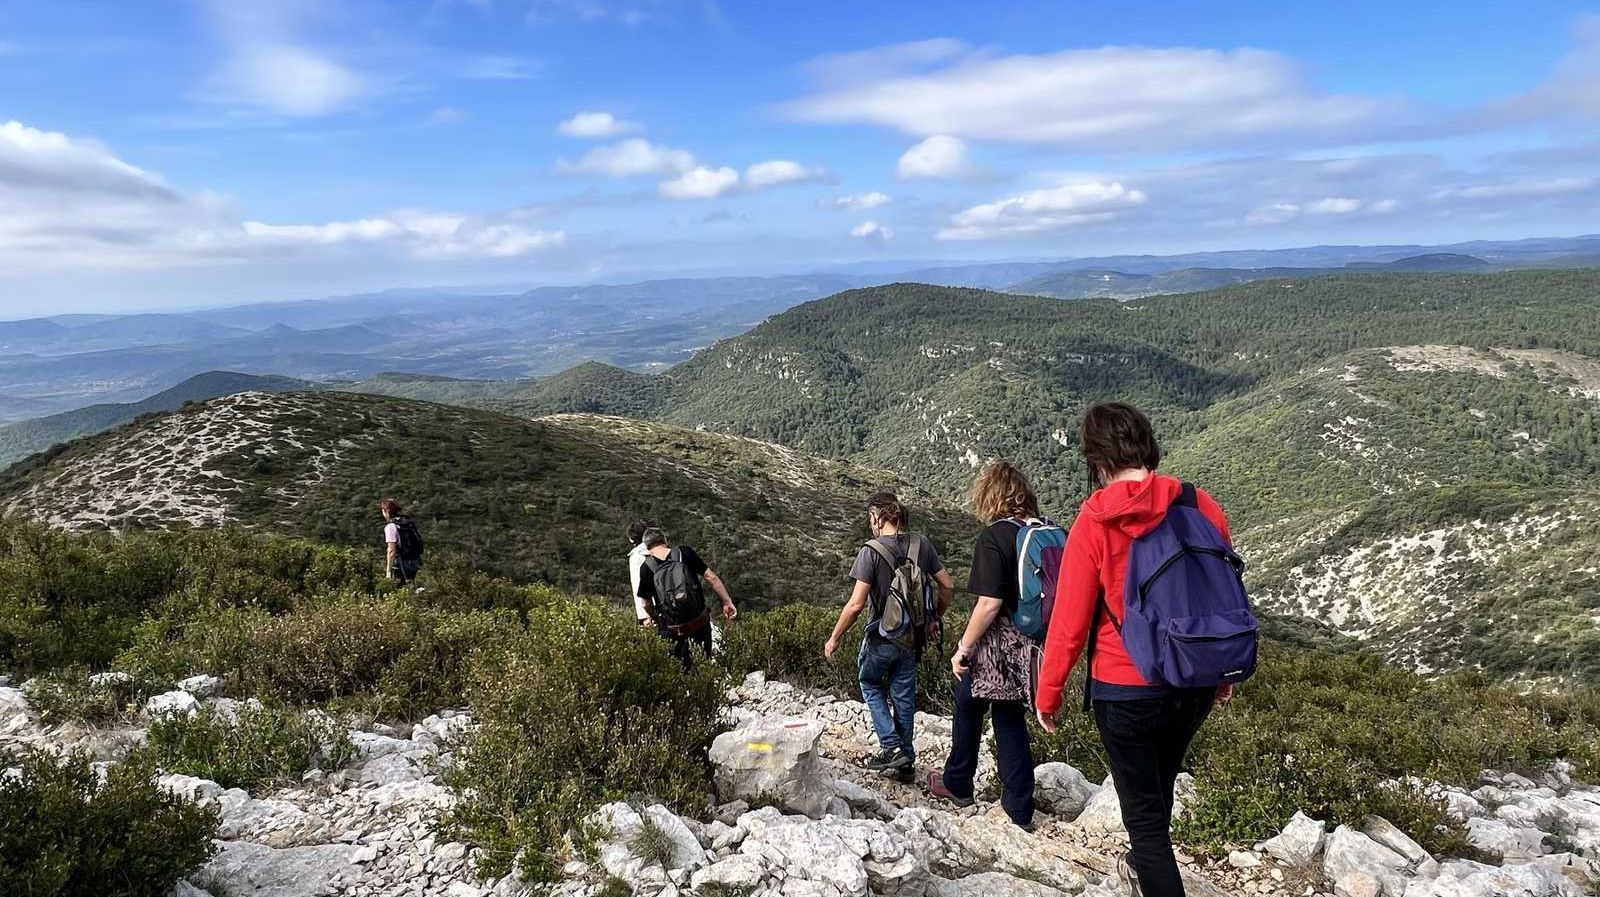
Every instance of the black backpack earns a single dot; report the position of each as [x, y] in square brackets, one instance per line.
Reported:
[679, 598]
[410, 545]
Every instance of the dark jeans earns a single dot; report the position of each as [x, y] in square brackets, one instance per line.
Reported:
[405, 571]
[1145, 741]
[888, 674]
[681, 646]
[1015, 753]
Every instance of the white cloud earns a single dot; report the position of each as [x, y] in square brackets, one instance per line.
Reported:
[448, 115]
[596, 124]
[872, 230]
[1520, 189]
[1116, 98]
[701, 182]
[68, 204]
[856, 202]
[940, 156]
[1572, 92]
[1069, 205]
[496, 68]
[270, 66]
[631, 158]
[778, 172]
[1334, 205]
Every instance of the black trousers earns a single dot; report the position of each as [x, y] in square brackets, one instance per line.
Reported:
[682, 648]
[1014, 752]
[1145, 742]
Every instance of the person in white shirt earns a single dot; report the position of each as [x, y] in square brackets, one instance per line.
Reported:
[636, 556]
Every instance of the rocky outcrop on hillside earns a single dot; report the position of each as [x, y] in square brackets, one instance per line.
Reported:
[796, 815]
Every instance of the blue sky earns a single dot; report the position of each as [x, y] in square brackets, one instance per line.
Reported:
[175, 152]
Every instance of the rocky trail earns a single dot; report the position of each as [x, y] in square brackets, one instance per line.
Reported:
[799, 817]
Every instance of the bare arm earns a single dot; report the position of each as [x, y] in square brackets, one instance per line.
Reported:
[715, 581]
[847, 616]
[983, 615]
[946, 591]
[391, 557]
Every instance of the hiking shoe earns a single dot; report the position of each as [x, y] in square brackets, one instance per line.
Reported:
[905, 775]
[889, 759]
[1126, 877]
[937, 788]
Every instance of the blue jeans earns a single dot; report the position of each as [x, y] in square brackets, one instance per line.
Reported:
[888, 674]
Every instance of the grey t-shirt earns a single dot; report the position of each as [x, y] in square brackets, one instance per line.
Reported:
[872, 569]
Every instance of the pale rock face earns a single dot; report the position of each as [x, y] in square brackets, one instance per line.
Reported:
[241, 867]
[1361, 867]
[1103, 812]
[774, 758]
[106, 680]
[993, 884]
[847, 856]
[1511, 842]
[686, 850]
[172, 702]
[738, 871]
[1062, 790]
[1463, 878]
[1300, 842]
[1419, 861]
[202, 686]
[15, 717]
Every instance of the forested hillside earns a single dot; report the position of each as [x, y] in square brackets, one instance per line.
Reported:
[541, 500]
[1409, 459]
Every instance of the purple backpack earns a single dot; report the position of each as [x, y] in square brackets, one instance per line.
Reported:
[1186, 618]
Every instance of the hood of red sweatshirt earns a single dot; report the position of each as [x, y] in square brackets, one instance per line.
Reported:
[1134, 507]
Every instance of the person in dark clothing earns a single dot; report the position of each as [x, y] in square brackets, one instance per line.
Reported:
[992, 662]
[674, 598]
[1146, 728]
[887, 667]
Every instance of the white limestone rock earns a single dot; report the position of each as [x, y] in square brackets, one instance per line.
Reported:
[1463, 878]
[202, 686]
[1300, 842]
[1062, 790]
[172, 703]
[1418, 860]
[1361, 867]
[774, 758]
[242, 868]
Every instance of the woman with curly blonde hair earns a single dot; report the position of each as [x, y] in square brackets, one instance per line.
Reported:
[991, 664]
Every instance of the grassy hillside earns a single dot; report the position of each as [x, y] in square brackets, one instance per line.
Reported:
[23, 438]
[544, 500]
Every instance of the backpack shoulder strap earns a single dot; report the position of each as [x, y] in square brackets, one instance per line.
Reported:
[1188, 498]
[883, 552]
[914, 549]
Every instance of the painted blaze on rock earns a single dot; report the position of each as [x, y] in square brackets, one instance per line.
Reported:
[773, 760]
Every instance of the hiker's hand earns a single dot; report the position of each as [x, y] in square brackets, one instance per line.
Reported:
[933, 629]
[959, 663]
[829, 648]
[1047, 721]
[1224, 695]
[729, 612]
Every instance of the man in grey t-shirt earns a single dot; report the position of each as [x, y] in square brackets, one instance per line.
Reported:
[887, 669]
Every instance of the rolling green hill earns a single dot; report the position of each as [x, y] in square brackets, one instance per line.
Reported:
[23, 438]
[535, 500]
[592, 387]
[1106, 283]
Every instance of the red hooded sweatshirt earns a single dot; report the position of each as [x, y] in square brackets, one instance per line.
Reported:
[1094, 563]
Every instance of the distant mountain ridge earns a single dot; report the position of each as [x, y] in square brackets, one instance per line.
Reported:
[1105, 283]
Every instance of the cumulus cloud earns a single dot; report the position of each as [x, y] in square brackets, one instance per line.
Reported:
[596, 124]
[856, 202]
[701, 182]
[872, 230]
[940, 156]
[73, 204]
[1068, 205]
[779, 172]
[1112, 98]
[631, 158]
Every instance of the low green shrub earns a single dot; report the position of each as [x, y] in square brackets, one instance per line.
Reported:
[583, 708]
[787, 644]
[261, 745]
[1330, 734]
[62, 834]
[69, 694]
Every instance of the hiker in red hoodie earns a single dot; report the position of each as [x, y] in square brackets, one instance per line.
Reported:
[1146, 729]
